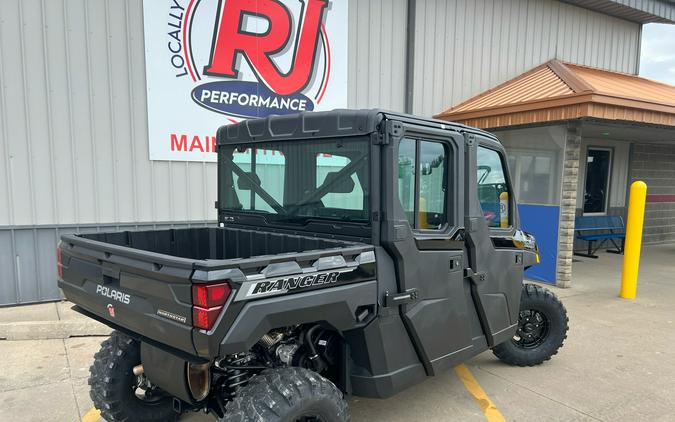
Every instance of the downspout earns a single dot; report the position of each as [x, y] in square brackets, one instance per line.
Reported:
[639, 51]
[410, 55]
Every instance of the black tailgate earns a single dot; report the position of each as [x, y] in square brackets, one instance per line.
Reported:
[145, 292]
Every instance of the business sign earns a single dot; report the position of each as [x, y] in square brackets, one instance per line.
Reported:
[215, 62]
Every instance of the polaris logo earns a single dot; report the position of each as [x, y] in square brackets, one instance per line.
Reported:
[113, 294]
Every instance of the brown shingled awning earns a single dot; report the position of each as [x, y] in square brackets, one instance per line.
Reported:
[556, 91]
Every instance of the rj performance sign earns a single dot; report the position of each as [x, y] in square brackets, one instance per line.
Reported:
[215, 62]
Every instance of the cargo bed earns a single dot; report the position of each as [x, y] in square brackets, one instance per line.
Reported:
[141, 281]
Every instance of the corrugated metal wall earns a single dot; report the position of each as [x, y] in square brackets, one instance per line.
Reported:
[377, 49]
[464, 47]
[73, 125]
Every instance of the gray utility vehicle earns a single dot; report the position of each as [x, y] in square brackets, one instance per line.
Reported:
[356, 252]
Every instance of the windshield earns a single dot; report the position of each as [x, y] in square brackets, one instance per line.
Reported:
[294, 181]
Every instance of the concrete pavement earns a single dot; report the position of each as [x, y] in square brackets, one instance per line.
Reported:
[618, 364]
[46, 321]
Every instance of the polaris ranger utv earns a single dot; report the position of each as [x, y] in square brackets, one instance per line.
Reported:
[356, 252]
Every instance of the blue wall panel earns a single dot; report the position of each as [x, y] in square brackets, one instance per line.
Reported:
[542, 221]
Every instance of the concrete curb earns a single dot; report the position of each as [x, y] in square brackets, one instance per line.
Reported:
[43, 330]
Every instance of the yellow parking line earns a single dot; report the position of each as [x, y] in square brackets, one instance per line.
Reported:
[92, 415]
[492, 414]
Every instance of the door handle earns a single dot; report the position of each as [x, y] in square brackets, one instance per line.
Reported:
[474, 276]
[409, 296]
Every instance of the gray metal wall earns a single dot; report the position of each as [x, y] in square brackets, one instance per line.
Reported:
[465, 47]
[73, 125]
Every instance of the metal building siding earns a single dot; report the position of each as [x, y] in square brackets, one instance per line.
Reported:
[642, 11]
[73, 80]
[377, 54]
[465, 47]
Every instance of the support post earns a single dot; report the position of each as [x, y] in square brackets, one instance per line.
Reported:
[633, 242]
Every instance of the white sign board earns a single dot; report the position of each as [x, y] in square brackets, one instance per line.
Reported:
[215, 62]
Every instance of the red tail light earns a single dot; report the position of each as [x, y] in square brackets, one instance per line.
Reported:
[208, 301]
[59, 262]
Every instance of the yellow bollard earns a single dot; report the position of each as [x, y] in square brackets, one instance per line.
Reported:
[633, 242]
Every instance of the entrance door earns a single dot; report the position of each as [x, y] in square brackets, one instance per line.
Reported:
[596, 191]
[425, 194]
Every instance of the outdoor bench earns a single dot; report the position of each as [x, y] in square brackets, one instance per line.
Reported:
[607, 227]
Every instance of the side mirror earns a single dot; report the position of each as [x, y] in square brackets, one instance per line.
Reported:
[243, 183]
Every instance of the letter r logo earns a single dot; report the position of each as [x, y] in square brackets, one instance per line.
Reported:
[231, 39]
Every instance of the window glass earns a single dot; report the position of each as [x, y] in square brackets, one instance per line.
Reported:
[294, 181]
[597, 180]
[432, 185]
[535, 157]
[350, 195]
[493, 190]
[267, 165]
[423, 193]
[406, 177]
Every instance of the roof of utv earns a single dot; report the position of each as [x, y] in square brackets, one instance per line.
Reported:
[327, 124]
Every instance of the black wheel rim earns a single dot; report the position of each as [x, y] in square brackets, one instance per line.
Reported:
[533, 328]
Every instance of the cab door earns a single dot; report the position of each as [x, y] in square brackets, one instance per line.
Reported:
[422, 231]
[494, 257]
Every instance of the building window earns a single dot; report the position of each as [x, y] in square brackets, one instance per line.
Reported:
[534, 176]
[493, 191]
[422, 183]
[596, 192]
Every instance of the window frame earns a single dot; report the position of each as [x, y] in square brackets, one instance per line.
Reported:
[507, 180]
[418, 139]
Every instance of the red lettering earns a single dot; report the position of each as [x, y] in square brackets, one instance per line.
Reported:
[178, 145]
[231, 40]
[196, 144]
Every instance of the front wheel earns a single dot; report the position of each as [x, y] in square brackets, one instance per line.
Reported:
[288, 395]
[542, 329]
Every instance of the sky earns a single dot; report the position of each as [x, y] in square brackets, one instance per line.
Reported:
[657, 55]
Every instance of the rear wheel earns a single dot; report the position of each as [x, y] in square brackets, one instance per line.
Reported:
[288, 395]
[542, 329]
[117, 392]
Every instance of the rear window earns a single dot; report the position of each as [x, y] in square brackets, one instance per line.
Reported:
[298, 180]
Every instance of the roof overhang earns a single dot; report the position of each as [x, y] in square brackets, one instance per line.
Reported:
[526, 99]
[658, 11]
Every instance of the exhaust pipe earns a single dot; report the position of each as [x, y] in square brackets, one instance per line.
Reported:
[199, 380]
